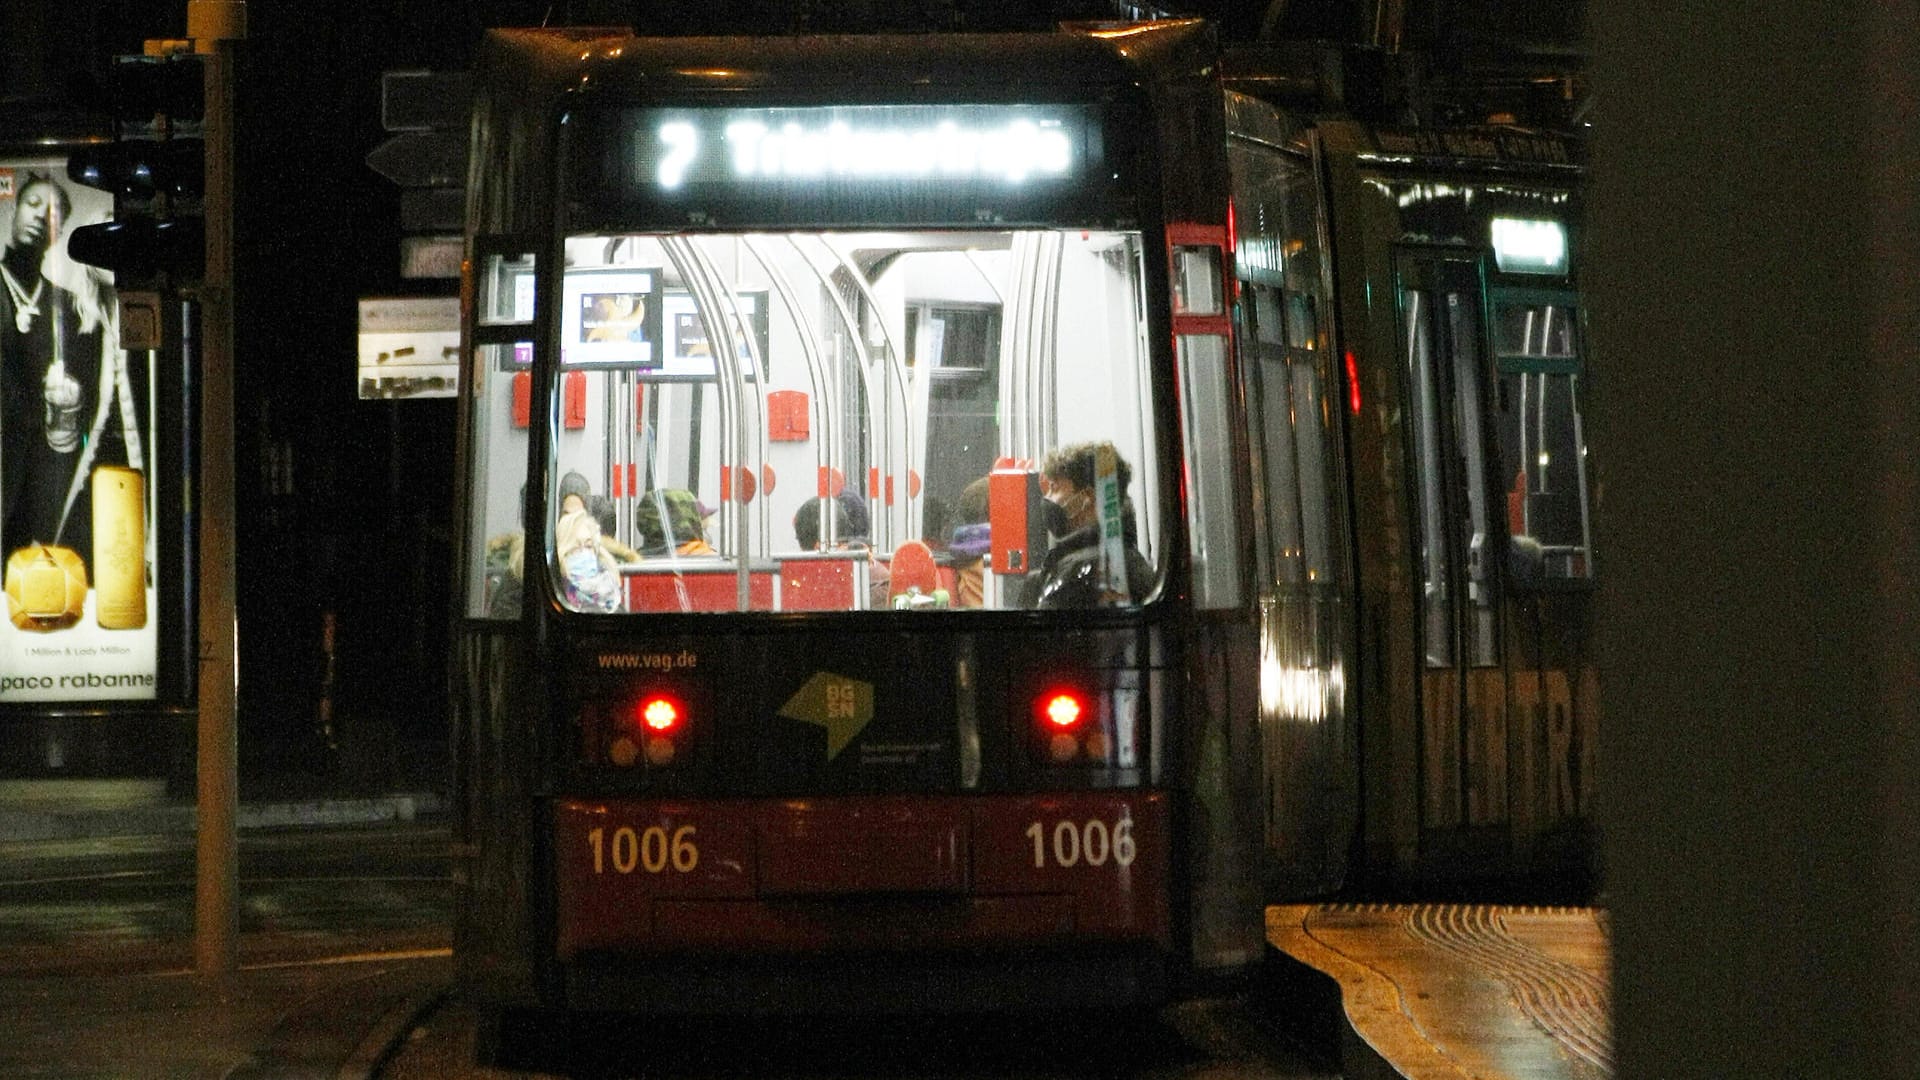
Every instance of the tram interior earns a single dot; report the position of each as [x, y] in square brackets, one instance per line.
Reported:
[717, 383]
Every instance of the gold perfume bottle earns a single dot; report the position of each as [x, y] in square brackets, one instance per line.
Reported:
[46, 588]
[119, 548]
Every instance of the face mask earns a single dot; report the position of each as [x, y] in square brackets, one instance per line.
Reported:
[1074, 502]
[1053, 518]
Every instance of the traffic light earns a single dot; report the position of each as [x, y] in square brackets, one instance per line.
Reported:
[155, 167]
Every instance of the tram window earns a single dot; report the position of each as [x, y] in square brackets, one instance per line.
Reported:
[1211, 507]
[1279, 258]
[1542, 442]
[1196, 281]
[1436, 582]
[1303, 324]
[1445, 353]
[1269, 328]
[865, 337]
[505, 290]
[1274, 434]
[1310, 444]
[501, 407]
[1475, 518]
[1291, 430]
[1533, 331]
[953, 340]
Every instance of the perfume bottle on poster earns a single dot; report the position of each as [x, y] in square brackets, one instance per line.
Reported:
[61, 393]
[46, 588]
[119, 548]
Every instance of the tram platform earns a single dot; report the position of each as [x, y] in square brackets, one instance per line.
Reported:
[1453, 991]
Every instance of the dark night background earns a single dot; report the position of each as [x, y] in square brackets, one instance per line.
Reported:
[1753, 209]
[345, 505]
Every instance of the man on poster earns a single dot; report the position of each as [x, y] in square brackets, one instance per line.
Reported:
[63, 380]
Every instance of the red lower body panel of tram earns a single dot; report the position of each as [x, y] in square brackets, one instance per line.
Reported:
[861, 874]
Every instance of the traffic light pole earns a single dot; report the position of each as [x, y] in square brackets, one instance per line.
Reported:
[216, 28]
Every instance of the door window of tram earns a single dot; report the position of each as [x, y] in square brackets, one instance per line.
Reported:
[1200, 341]
[1536, 345]
[1441, 329]
[1289, 413]
[500, 387]
[809, 421]
[1292, 422]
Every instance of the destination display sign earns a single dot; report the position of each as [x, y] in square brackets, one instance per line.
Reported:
[957, 163]
[933, 144]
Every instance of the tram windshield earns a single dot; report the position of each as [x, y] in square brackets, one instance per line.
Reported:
[851, 421]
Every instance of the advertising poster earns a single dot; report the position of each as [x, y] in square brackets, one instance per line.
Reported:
[409, 347]
[76, 453]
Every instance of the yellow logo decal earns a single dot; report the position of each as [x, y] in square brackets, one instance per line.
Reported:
[841, 705]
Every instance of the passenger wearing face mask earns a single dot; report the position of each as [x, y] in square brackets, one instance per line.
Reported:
[1070, 576]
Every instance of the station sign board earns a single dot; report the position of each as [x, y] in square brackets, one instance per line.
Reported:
[409, 347]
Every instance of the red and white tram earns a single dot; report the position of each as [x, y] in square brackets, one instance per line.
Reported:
[954, 522]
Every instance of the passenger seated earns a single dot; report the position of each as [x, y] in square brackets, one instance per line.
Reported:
[592, 574]
[970, 544]
[602, 510]
[850, 525]
[574, 492]
[669, 521]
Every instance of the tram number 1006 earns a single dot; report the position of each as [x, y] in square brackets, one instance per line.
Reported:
[1072, 843]
[653, 850]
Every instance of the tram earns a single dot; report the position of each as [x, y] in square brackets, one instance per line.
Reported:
[960, 522]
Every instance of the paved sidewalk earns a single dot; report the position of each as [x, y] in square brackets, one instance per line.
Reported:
[1435, 991]
[89, 1010]
[288, 1021]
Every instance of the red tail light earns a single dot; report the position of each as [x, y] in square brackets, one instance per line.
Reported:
[1064, 710]
[660, 715]
[648, 729]
[1065, 724]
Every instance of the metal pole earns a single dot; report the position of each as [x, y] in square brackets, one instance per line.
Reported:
[214, 28]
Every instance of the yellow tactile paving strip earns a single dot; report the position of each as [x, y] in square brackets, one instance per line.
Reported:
[1452, 991]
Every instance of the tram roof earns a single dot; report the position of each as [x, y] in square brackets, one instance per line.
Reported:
[598, 63]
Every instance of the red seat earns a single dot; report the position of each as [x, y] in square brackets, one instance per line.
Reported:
[816, 585]
[713, 589]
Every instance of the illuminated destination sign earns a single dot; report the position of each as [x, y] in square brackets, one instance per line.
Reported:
[1524, 246]
[936, 145]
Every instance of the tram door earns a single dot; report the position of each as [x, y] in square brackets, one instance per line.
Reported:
[1302, 536]
[1457, 507]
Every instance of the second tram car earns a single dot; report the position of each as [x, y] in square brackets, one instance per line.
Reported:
[954, 522]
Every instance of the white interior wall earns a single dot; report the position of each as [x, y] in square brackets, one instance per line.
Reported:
[505, 457]
[1097, 348]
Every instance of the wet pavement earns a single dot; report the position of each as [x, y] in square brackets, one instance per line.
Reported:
[97, 993]
[330, 1019]
[110, 991]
